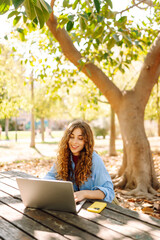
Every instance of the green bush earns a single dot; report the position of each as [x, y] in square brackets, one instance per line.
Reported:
[100, 131]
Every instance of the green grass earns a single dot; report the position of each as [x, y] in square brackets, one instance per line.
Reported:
[12, 135]
[27, 135]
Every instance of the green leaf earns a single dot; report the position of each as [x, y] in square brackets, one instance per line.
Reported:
[4, 6]
[40, 17]
[6, 37]
[24, 19]
[30, 10]
[105, 56]
[122, 20]
[138, 45]
[22, 36]
[116, 37]
[20, 30]
[45, 13]
[37, 9]
[34, 2]
[109, 3]
[85, 16]
[71, 17]
[110, 43]
[98, 32]
[46, 6]
[35, 21]
[74, 5]
[65, 3]
[97, 5]
[12, 14]
[99, 18]
[82, 24]
[14, 49]
[17, 3]
[70, 25]
[16, 20]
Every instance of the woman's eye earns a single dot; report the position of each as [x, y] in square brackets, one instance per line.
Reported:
[80, 138]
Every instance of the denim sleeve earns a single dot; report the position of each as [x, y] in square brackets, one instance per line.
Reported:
[51, 175]
[102, 179]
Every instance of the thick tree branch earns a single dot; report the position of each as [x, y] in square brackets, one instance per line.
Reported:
[107, 87]
[149, 73]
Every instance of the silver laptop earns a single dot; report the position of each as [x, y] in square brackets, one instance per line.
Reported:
[48, 194]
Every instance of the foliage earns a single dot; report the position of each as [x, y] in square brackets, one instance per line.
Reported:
[111, 37]
[102, 28]
[11, 84]
[36, 10]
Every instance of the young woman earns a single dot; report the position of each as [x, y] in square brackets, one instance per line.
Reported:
[79, 163]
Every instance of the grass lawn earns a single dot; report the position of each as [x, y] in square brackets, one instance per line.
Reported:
[27, 135]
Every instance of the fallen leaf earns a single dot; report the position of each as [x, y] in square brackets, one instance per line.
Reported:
[147, 210]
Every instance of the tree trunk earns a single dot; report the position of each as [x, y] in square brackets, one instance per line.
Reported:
[42, 129]
[6, 128]
[112, 145]
[32, 144]
[159, 127]
[137, 171]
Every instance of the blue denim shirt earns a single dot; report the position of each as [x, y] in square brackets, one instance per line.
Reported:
[99, 179]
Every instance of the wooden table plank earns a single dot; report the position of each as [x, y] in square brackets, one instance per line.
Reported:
[134, 223]
[89, 226]
[9, 181]
[10, 190]
[9, 231]
[14, 174]
[27, 225]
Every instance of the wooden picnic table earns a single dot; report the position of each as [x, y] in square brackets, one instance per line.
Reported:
[114, 222]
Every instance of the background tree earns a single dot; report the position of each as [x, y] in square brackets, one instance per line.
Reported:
[12, 87]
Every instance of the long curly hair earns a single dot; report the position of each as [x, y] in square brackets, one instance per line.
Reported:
[83, 167]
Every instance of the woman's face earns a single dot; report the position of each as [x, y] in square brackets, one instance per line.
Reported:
[76, 141]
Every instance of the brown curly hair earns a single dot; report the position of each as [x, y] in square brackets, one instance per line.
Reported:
[83, 167]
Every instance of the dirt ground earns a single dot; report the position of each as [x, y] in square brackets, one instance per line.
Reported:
[37, 161]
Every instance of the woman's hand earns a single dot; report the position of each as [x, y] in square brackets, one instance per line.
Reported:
[79, 196]
[88, 194]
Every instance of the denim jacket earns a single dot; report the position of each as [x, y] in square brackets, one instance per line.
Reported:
[99, 179]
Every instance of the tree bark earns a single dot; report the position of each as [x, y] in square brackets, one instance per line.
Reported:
[137, 171]
[32, 144]
[112, 145]
[42, 129]
[6, 128]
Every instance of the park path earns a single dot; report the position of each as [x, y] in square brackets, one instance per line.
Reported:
[13, 151]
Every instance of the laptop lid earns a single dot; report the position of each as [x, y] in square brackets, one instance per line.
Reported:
[48, 194]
